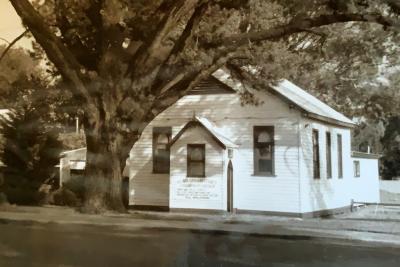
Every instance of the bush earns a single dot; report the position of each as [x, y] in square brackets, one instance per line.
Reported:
[3, 199]
[76, 185]
[29, 153]
[65, 197]
[20, 195]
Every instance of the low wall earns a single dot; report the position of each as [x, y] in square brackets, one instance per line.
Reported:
[390, 191]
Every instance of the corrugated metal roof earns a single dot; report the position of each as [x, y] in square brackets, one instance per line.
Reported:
[308, 102]
[75, 154]
[295, 95]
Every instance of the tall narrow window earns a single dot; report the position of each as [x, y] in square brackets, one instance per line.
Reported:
[196, 160]
[340, 156]
[161, 138]
[328, 155]
[356, 168]
[264, 150]
[316, 164]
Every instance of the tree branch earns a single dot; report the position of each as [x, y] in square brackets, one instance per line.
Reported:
[394, 5]
[158, 48]
[186, 82]
[163, 80]
[296, 26]
[83, 54]
[62, 58]
[4, 40]
[12, 43]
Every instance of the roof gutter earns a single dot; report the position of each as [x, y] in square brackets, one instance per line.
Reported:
[329, 120]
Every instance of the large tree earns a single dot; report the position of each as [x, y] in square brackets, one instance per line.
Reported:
[127, 61]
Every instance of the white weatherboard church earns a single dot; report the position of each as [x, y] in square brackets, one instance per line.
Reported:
[290, 155]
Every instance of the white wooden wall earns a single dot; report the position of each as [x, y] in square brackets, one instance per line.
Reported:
[193, 192]
[293, 189]
[366, 187]
[324, 193]
[65, 163]
[279, 193]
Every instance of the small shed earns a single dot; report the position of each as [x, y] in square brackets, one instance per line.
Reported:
[72, 162]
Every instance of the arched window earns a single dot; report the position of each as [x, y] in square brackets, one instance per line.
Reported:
[162, 141]
[264, 137]
[161, 153]
[264, 150]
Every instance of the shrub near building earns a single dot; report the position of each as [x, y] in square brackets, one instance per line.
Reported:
[30, 152]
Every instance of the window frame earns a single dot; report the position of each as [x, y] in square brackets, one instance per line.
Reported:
[356, 168]
[189, 160]
[316, 155]
[257, 129]
[156, 132]
[328, 152]
[340, 155]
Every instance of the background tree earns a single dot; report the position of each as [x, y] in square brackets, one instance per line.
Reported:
[27, 78]
[127, 61]
[17, 68]
[391, 148]
[29, 152]
[26, 87]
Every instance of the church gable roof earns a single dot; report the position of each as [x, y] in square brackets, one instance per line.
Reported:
[204, 123]
[289, 92]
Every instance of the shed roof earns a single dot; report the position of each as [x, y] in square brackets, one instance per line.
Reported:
[312, 106]
[75, 154]
[223, 141]
[77, 158]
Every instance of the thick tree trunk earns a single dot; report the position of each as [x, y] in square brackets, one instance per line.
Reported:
[107, 152]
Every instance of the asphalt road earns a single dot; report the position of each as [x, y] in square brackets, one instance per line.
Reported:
[77, 245]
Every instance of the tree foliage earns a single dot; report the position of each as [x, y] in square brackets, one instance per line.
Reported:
[29, 152]
[16, 68]
[391, 146]
[127, 61]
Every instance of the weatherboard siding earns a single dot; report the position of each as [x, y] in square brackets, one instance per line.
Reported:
[324, 193]
[366, 187]
[268, 193]
[236, 122]
[331, 193]
[197, 192]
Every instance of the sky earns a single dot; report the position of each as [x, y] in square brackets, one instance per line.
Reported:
[10, 25]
